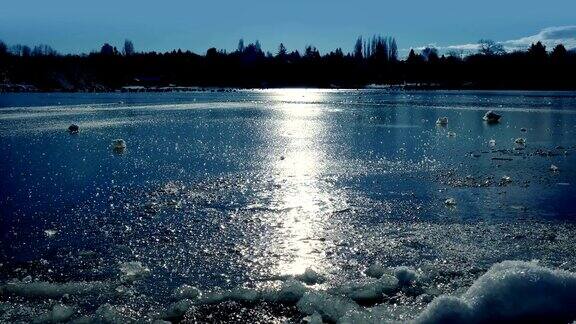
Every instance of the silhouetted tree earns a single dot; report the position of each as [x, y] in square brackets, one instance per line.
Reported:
[413, 57]
[281, 51]
[559, 52]
[43, 50]
[107, 49]
[26, 51]
[489, 48]
[370, 62]
[455, 54]
[128, 49]
[240, 46]
[430, 54]
[212, 53]
[358, 48]
[393, 50]
[537, 50]
[311, 52]
[3, 48]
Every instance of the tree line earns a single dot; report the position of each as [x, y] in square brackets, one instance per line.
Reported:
[372, 60]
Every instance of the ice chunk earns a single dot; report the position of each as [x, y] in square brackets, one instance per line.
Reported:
[406, 276]
[511, 291]
[492, 117]
[289, 292]
[371, 291]
[450, 202]
[311, 277]
[73, 129]
[442, 121]
[50, 232]
[185, 292]
[554, 168]
[133, 270]
[177, 310]
[110, 314]
[330, 307]
[119, 145]
[313, 319]
[505, 180]
[520, 141]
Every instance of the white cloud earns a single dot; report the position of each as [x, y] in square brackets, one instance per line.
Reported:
[550, 37]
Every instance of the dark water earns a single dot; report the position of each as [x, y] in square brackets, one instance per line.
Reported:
[237, 189]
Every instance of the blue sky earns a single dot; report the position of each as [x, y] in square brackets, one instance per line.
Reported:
[81, 26]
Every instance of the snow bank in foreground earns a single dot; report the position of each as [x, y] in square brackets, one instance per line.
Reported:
[510, 291]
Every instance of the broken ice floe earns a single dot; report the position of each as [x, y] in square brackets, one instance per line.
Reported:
[73, 129]
[491, 117]
[119, 145]
[442, 121]
[450, 202]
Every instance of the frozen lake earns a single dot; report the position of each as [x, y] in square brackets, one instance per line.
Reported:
[238, 193]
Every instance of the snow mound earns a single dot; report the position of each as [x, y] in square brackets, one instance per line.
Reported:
[510, 291]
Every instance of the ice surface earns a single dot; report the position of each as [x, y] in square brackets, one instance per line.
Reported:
[53, 290]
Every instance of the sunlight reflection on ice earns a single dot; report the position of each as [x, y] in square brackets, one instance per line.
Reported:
[299, 171]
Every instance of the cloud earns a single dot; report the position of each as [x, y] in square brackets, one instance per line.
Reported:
[550, 36]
